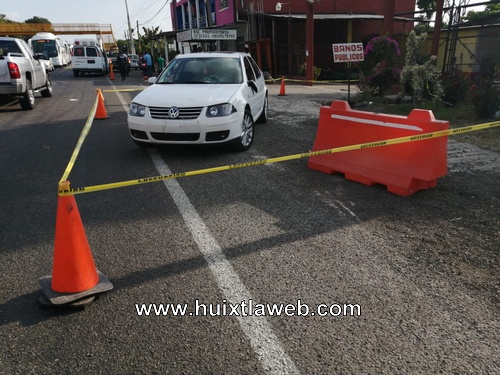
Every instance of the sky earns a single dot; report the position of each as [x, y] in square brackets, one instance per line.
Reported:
[149, 13]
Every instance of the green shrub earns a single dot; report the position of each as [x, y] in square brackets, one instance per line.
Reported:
[455, 88]
[302, 71]
[422, 79]
[485, 97]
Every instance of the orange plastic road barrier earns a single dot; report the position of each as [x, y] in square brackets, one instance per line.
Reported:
[100, 113]
[404, 168]
[74, 275]
[282, 88]
[111, 72]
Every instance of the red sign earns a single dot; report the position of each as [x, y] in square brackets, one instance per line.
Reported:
[348, 52]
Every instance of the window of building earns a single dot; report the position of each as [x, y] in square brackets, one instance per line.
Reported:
[223, 4]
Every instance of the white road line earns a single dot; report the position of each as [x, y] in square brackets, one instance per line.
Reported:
[263, 340]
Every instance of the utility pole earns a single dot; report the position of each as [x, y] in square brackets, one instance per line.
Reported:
[138, 36]
[131, 37]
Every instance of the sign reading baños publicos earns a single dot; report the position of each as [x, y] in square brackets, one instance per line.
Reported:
[348, 52]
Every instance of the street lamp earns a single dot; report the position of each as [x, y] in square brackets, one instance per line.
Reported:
[278, 9]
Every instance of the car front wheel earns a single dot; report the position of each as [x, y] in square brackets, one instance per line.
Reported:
[246, 139]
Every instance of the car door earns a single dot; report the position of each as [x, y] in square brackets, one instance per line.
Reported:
[256, 96]
[38, 78]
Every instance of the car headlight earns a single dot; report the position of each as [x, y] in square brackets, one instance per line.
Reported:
[137, 110]
[220, 110]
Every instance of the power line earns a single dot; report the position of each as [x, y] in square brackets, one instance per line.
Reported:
[156, 14]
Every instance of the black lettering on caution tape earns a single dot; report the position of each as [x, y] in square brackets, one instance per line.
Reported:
[462, 130]
[374, 144]
[423, 136]
[249, 164]
[71, 191]
[158, 178]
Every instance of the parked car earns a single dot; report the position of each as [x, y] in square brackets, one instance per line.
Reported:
[49, 65]
[22, 73]
[201, 98]
[113, 59]
[135, 61]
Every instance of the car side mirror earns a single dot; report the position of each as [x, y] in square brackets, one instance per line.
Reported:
[151, 80]
[253, 86]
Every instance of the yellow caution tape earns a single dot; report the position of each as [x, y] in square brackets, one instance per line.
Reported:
[83, 135]
[412, 138]
[124, 90]
[319, 82]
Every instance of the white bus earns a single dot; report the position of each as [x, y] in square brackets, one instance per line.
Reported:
[53, 47]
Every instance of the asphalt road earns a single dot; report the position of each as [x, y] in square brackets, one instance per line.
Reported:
[406, 284]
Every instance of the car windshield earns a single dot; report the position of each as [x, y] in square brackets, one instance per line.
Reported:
[203, 70]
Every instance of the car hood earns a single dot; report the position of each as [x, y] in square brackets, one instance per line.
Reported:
[186, 95]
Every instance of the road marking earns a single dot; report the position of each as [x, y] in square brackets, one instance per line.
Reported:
[263, 340]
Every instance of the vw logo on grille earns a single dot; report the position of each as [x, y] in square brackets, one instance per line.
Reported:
[173, 112]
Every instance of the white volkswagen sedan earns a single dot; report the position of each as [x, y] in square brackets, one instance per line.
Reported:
[202, 98]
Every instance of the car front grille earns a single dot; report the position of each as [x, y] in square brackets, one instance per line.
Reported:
[186, 113]
[176, 137]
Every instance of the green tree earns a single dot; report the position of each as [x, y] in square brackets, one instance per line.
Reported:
[489, 9]
[147, 39]
[4, 19]
[37, 20]
[123, 45]
[428, 6]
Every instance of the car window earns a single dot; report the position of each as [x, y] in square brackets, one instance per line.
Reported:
[255, 67]
[92, 52]
[9, 46]
[25, 48]
[249, 70]
[79, 51]
[207, 70]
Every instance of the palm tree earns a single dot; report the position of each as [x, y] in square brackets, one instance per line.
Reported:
[148, 41]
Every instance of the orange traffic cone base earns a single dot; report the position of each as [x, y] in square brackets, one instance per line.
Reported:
[54, 298]
[81, 303]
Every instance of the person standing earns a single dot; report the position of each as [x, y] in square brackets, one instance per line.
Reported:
[122, 60]
[149, 64]
[161, 63]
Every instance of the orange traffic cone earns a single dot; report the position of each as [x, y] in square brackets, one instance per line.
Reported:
[282, 89]
[100, 113]
[74, 275]
[111, 72]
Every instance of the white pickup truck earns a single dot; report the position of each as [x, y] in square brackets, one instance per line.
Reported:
[22, 74]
